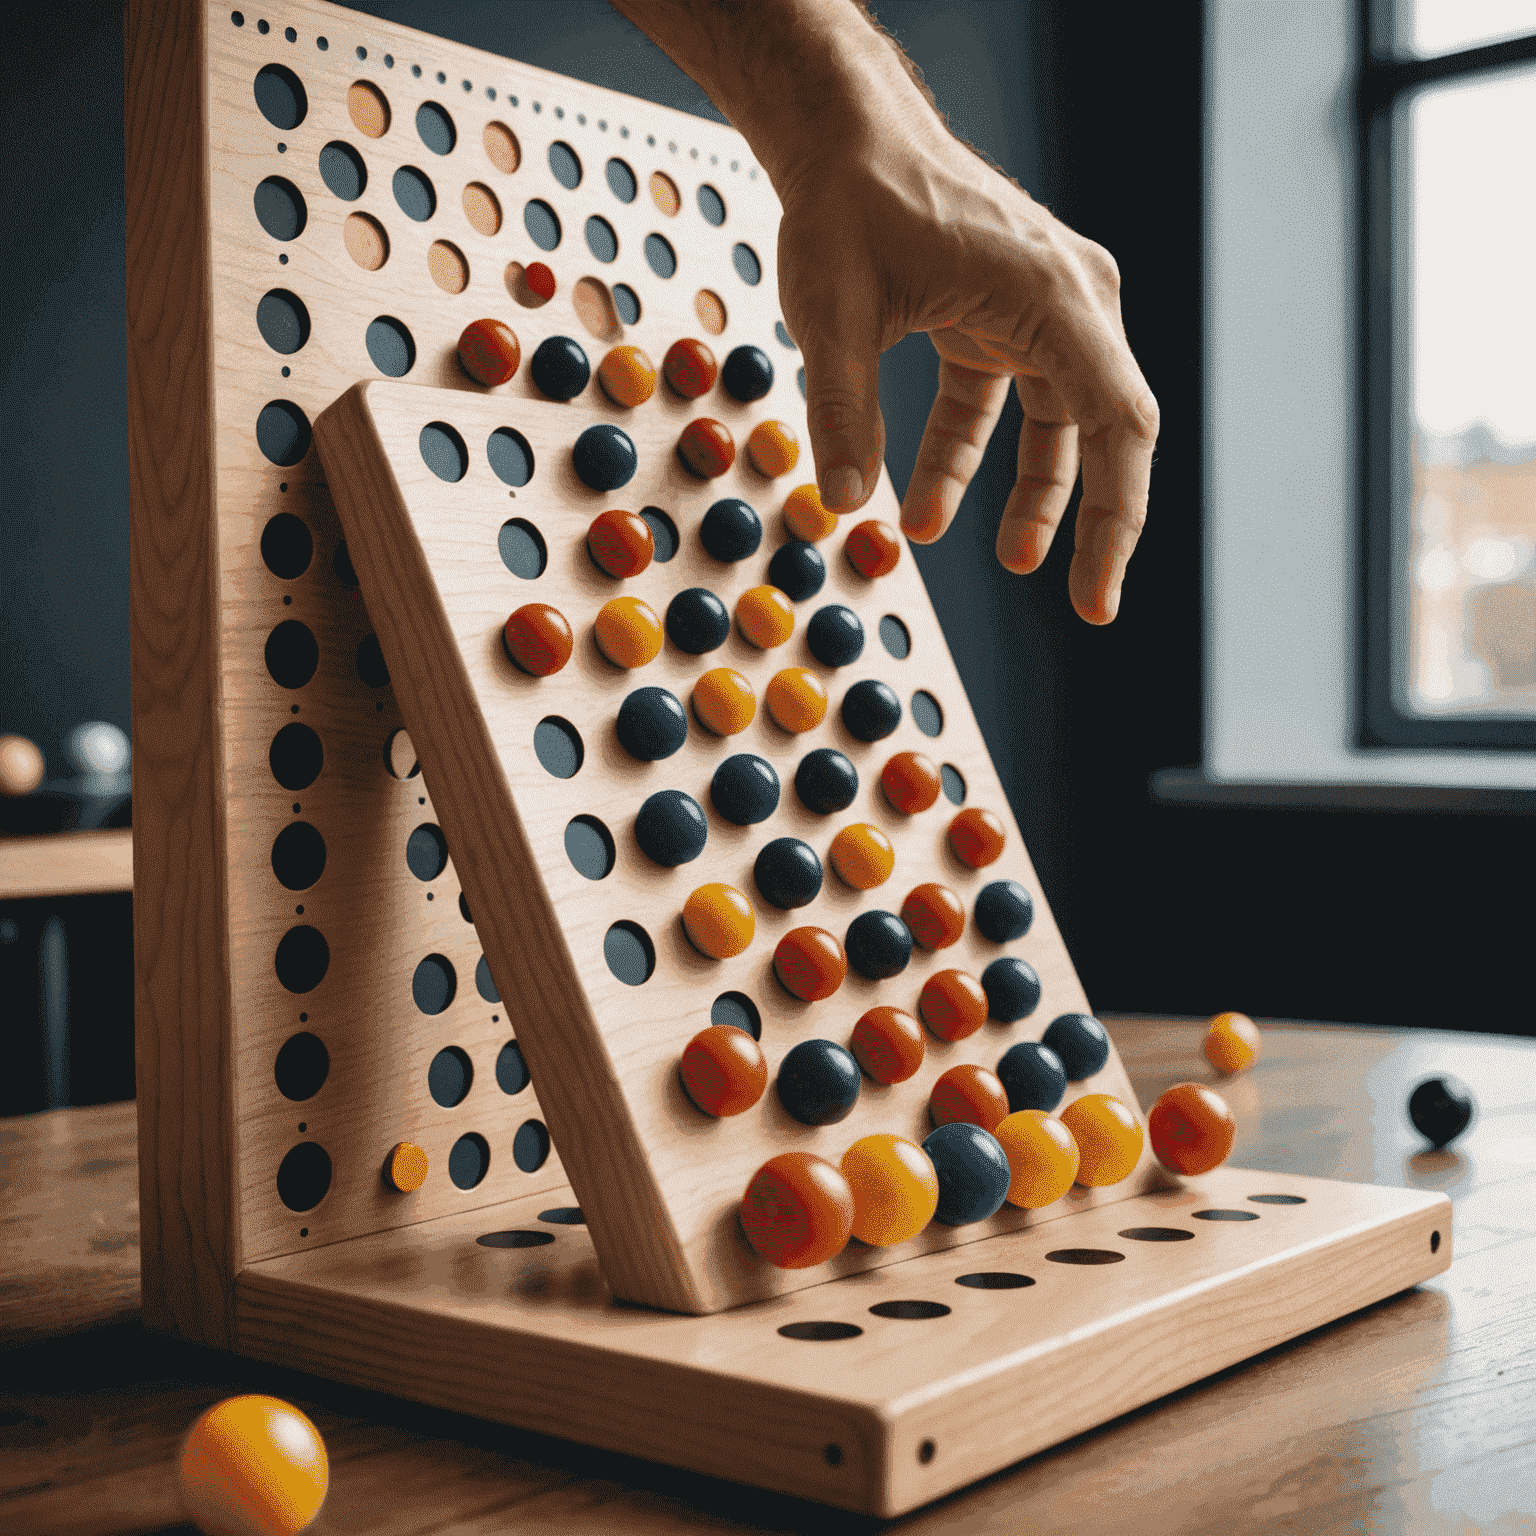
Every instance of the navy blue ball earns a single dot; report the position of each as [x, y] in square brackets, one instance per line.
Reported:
[1080, 1041]
[731, 530]
[1004, 911]
[652, 724]
[973, 1172]
[1012, 988]
[745, 790]
[1441, 1108]
[671, 828]
[826, 781]
[878, 945]
[797, 570]
[697, 621]
[560, 368]
[835, 636]
[604, 457]
[818, 1082]
[747, 374]
[1033, 1076]
[871, 710]
[788, 873]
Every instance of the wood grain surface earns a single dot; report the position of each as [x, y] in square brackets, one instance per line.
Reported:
[66, 864]
[1411, 1415]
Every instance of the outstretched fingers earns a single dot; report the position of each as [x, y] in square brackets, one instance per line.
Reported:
[1047, 472]
[964, 412]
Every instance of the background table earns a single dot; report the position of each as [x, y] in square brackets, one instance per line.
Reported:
[1413, 1416]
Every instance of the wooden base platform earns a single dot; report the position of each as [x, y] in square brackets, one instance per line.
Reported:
[903, 1384]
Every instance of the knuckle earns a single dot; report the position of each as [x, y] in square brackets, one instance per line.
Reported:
[1102, 267]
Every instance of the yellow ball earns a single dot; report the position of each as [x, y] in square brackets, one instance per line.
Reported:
[406, 1167]
[797, 699]
[862, 855]
[252, 1466]
[723, 701]
[895, 1189]
[1042, 1158]
[628, 376]
[628, 632]
[773, 448]
[719, 921]
[1108, 1136]
[1232, 1043]
[766, 616]
[21, 766]
[805, 516]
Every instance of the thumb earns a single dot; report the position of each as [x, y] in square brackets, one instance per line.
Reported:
[842, 399]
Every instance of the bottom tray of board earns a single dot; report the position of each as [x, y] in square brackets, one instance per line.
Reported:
[877, 1392]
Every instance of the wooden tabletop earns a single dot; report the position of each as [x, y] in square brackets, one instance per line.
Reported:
[1412, 1416]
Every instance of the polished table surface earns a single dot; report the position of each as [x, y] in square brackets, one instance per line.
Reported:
[1416, 1415]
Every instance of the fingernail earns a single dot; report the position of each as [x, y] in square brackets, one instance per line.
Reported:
[841, 487]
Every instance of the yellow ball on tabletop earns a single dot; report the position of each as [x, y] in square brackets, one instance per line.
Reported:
[252, 1466]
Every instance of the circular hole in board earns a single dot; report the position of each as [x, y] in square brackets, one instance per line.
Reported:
[450, 1076]
[370, 662]
[283, 433]
[927, 1451]
[660, 255]
[296, 756]
[910, 1311]
[511, 1069]
[414, 194]
[304, 1176]
[365, 240]
[1278, 1199]
[280, 97]
[302, 958]
[435, 128]
[283, 321]
[564, 1216]
[1156, 1235]
[447, 266]
[469, 1159]
[542, 224]
[443, 451]
[1085, 1256]
[558, 746]
[785, 338]
[663, 533]
[426, 851]
[400, 756]
[368, 107]
[748, 268]
[954, 783]
[292, 654]
[1434, 1242]
[515, 1239]
[485, 984]
[895, 637]
[595, 309]
[601, 240]
[280, 208]
[627, 302]
[707, 305]
[511, 461]
[464, 908]
[566, 165]
[589, 846]
[737, 1011]
[287, 546]
[926, 714]
[298, 856]
[343, 171]
[302, 1066]
[433, 984]
[1225, 1215]
[482, 208]
[711, 205]
[664, 193]
[522, 547]
[502, 148]
[621, 180]
[820, 1333]
[629, 952]
[530, 1146]
[994, 1280]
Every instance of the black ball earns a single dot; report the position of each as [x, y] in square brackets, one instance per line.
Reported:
[797, 570]
[671, 828]
[871, 710]
[1004, 911]
[731, 530]
[835, 636]
[560, 368]
[1012, 988]
[826, 781]
[1033, 1076]
[604, 457]
[878, 945]
[697, 621]
[747, 374]
[788, 873]
[1079, 1040]
[1441, 1109]
[973, 1172]
[745, 790]
[652, 724]
[818, 1082]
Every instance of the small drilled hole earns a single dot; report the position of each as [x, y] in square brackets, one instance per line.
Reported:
[925, 1452]
[1434, 1242]
[833, 1455]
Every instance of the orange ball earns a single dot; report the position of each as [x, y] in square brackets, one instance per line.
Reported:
[538, 639]
[810, 963]
[724, 702]
[873, 548]
[888, 1044]
[970, 1094]
[1232, 1043]
[977, 837]
[621, 543]
[797, 1211]
[953, 1004]
[862, 855]
[805, 516]
[1108, 1136]
[765, 616]
[22, 767]
[707, 448]
[797, 699]
[911, 782]
[628, 376]
[690, 368]
[1192, 1129]
[253, 1466]
[724, 1071]
[773, 448]
[405, 1169]
[935, 915]
[718, 919]
[489, 351]
[1043, 1158]
[895, 1189]
[628, 632]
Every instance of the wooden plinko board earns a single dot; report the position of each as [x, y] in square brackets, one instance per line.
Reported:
[903, 1383]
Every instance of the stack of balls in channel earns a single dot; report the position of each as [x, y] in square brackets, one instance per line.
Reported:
[997, 1136]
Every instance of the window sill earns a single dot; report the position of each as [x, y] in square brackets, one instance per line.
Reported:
[1193, 787]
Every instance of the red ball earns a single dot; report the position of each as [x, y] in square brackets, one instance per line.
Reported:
[977, 837]
[489, 351]
[540, 279]
[707, 448]
[724, 1070]
[621, 543]
[935, 915]
[873, 548]
[798, 1210]
[1192, 1129]
[911, 782]
[953, 1004]
[970, 1094]
[888, 1044]
[690, 368]
[539, 639]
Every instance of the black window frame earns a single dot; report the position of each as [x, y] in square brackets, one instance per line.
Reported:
[1386, 78]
